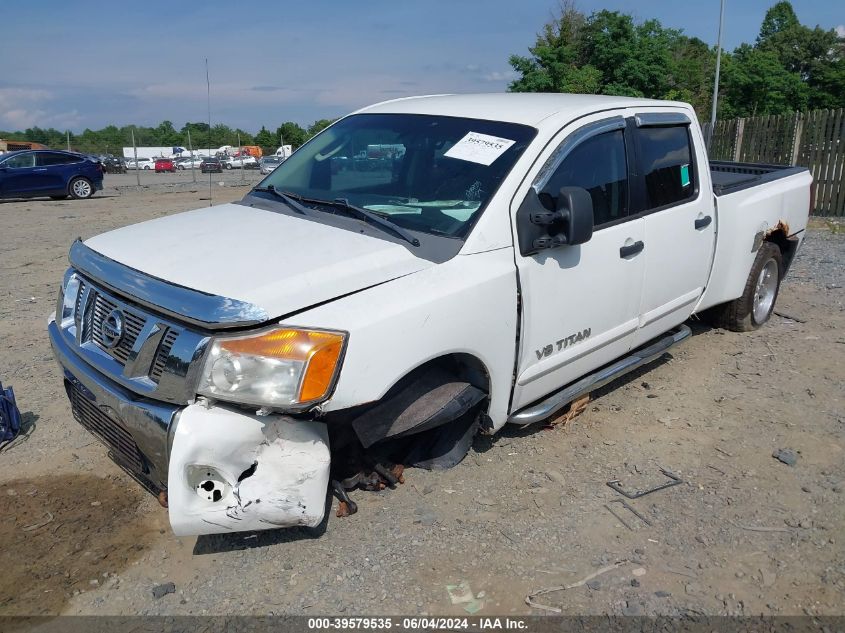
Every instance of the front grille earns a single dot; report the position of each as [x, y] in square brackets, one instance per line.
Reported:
[132, 326]
[153, 355]
[106, 429]
[162, 355]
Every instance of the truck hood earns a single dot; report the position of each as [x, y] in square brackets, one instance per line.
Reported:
[276, 262]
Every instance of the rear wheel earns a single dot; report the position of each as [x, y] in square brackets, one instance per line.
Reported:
[757, 302]
[81, 188]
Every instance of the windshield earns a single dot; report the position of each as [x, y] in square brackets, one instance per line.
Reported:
[425, 173]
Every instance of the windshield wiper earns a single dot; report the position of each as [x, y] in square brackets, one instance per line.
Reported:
[285, 197]
[363, 214]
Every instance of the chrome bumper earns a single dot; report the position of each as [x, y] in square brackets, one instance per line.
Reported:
[148, 423]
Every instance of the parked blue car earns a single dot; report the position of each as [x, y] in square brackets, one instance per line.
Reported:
[53, 173]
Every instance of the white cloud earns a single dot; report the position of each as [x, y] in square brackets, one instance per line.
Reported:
[508, 75]
[22, 107]
[840, 30]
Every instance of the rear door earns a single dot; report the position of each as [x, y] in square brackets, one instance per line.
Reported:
[56, 169]
[580, 304]
[679, 220]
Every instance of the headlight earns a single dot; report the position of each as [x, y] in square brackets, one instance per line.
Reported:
[283, 367]
[67, 301]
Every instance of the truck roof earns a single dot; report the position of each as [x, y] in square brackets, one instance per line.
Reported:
[514, 107]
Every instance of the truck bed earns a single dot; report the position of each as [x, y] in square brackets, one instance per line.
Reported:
[729, 176]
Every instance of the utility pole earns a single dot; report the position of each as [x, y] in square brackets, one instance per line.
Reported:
[191, 149]
[135, 153]
[68, 139]
[208, 93]
[716, 81]
[241, 156]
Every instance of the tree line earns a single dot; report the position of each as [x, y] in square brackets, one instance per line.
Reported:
[790, 67]
[112, 139]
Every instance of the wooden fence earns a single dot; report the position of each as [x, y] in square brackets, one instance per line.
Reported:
[811, 139]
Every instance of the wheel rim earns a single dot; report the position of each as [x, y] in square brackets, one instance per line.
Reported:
[764, 291]
[82, 188]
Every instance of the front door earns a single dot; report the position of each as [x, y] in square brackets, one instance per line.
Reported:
[19, 175]
[581, 304]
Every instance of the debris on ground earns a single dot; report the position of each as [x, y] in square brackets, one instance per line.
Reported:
[576, 408]
[786, 455]
[529, 599]
[159, 591]
[462, 594]
[10, 416]
[616, 485]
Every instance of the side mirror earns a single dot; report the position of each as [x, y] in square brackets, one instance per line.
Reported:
[575, 206]
[570, 223]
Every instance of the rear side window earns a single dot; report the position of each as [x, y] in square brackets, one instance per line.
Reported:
[599, 166]
[666, 161]
[50, 158]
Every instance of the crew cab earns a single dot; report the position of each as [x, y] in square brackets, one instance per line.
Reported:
[514, 252]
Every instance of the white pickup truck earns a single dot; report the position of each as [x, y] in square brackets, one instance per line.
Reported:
[341, 321]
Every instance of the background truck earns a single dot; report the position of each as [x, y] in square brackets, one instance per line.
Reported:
[334, 326]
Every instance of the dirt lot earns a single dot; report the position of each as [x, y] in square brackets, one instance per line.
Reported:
[744, 533]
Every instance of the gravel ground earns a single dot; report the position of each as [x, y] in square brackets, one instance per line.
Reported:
[745, 533]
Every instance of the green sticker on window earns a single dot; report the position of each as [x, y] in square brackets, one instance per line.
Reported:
[685, 175]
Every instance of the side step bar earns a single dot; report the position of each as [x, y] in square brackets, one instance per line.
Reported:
[555, 402]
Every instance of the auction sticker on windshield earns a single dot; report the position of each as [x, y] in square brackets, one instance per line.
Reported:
[479, 148]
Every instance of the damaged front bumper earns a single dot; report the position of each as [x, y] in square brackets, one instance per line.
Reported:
[224, 470]
[232, 471]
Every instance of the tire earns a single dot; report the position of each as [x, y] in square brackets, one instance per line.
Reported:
[757, 302]
[80, 188]
[228, 167]
[146, 168]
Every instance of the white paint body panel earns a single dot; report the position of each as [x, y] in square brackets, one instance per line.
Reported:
[743, 214]
[277, 262]
[288, 487]
[678, 256]
[569, 289]
[465, 305]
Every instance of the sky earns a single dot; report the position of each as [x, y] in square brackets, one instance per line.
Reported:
[85, 63]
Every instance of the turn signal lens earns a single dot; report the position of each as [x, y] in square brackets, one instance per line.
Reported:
[320, 371]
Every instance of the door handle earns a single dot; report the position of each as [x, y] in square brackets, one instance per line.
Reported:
[700, 223]
[633, 249]
[40, 169]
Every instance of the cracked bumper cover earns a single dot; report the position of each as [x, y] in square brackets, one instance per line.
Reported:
[282, 462]
[231, 471]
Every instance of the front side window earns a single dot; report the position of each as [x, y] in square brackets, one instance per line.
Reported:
[599, 166]
[20, 161]
[666, 161]
[426, 173]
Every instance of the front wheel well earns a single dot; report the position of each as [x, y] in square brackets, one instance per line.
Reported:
[461, 365]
